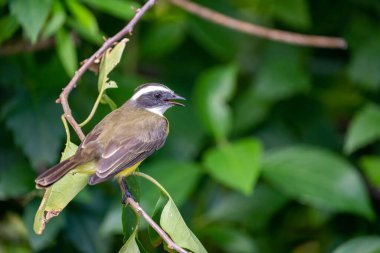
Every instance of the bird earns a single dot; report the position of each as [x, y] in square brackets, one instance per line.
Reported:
[122, 139]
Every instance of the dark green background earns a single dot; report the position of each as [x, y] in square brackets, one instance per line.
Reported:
[275, 151]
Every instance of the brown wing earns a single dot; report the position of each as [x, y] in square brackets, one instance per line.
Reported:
[122, 153]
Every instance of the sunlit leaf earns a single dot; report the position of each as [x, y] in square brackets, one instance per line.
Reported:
[67, 52]
[113, 57]
[95, 38]
[109, 61]
[31, 14]
[58, 195]
[8, 25]
[56, 21]
[214, 88]
[236, 165]
[70, 149]
[172, 223]
[318, 177]
[364, 244]
[130, 246]
[363, 129]
[83, 15]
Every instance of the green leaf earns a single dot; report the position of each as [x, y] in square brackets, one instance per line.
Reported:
[365, 64]
[109, 61]
[163, 37]
[250, 110]
[371, 168]
[292, 12]
[236, 165]
[169, 173]
[111, 222]
[67, 52]
[279, 78]
[31, 14]
[318, 177]
[130, 246]
[95, 38]
[36, 129]
[214, 88]
[215, 39]
[56, 21]
[117, 8]
[82, 228]
[70, 149]
[39, 242]
[16, 180]
[58, 195]
[130, 222]
[230, 239]
[364, 128]
[83, 16]
[172, 223]
[364, 244]
[8, 25]
[154, 237]
[254, 211]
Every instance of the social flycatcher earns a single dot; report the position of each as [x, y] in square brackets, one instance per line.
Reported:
[123, 139]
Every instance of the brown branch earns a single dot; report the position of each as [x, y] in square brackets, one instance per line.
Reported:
[68, 115]
[158, 229]
[256, 30]
[63, 97]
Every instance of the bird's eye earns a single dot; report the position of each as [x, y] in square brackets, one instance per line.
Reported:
[157, 95]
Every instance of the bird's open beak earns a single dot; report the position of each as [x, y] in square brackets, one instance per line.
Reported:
[176, 97]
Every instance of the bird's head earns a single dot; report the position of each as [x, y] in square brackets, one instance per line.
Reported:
[155, 97]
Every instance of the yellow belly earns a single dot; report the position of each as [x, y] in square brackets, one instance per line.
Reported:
[127, 171]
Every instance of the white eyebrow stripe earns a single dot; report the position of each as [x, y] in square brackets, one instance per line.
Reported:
[147, 90]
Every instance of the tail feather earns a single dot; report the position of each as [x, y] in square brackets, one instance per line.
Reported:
[55, 173]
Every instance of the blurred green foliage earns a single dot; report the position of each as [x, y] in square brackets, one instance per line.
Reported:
[276, 151]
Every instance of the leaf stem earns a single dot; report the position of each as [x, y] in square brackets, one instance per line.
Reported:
[152, 180]
[67, 130]
[94, 108]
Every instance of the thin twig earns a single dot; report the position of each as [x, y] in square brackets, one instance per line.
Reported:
[158, 229]
[68, 115]
[256, 30]
[107, 44]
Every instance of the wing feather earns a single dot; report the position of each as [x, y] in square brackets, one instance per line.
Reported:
[124, 153]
